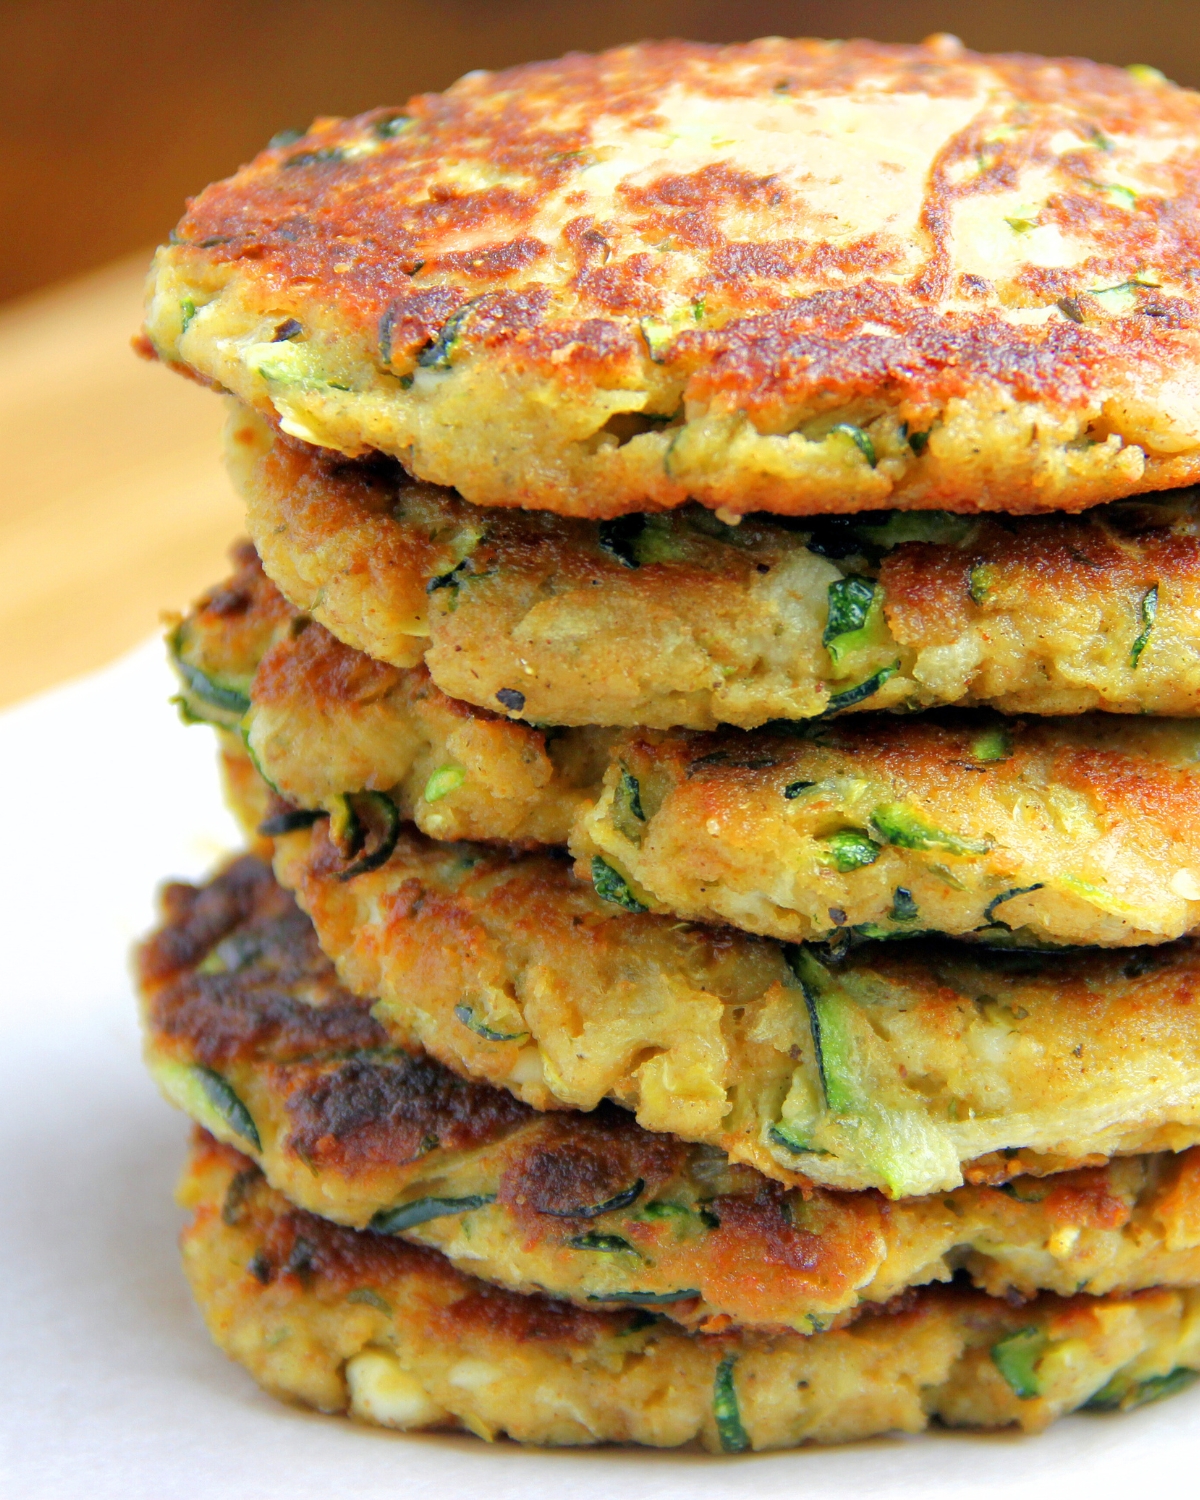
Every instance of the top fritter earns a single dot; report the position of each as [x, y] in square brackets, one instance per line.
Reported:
[793, 276]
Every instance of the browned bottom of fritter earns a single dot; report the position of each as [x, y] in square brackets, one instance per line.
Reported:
[355, 1321]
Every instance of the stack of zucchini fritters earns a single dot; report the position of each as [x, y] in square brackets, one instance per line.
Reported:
[709, 700]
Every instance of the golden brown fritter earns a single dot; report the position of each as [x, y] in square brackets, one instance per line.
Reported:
[1083, 831]
[900, 1066]
[248, 1031]
[322, 721]
[794, 276]
[349, 1320]
[1079, 831]
[658, 620]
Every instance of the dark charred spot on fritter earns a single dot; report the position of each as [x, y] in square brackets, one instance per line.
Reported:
[513, 1317]
[242, 610]
[580, 1164]
[263, 989]
[301, 1245]
[198, 917]
[760, 1225]
[235, 595]
[325, 672]
[368, 1110]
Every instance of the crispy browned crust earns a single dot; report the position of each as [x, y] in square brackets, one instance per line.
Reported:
[347, 1125]
[483, 203]
[351, 1320]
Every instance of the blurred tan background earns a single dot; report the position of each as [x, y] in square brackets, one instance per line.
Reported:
[112, 503]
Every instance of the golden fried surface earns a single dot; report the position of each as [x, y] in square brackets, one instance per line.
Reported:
[1083, 830]
[248, 1031]
[353, 1321]
[793, 276]
[657, 620]
[321, 721]
[898, 1066]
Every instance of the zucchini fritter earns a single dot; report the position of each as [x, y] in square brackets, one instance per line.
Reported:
[321, 721]
[658, 620]
[249, 1032]
[350, 1320]
[900, 1066]
[1079, 831]
[1084, 830]
[794, 276]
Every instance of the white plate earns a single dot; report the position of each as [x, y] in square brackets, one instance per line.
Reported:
[108, 1383]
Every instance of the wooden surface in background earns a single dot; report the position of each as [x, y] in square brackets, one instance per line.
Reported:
[115, 504]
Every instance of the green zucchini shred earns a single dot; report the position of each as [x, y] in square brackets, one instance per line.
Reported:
[794, 788]
[611, 886]
[364, 827]
[1017, 1356]
[732, 1436]
[850, 849]
[626, 1198]
[221, 1095]
[908, 1152]
[942, 528]
[1148, 610]
[646, 1299]
[850, 600]
[852, 696]
[782, 1135]
[466, 1015]
[658, 334]
[436, 354]
[205, 692]
[421, 1210]
[368, 1297]
[627, 814]
[1123, 1394]
[290, 821]
[904, 908]
[855, 620]
[979, 581]
[992, 745]
[607, 1244]
[897, 823]
[658, 541]
[393, 125]
[861, 440]
[443, 781]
